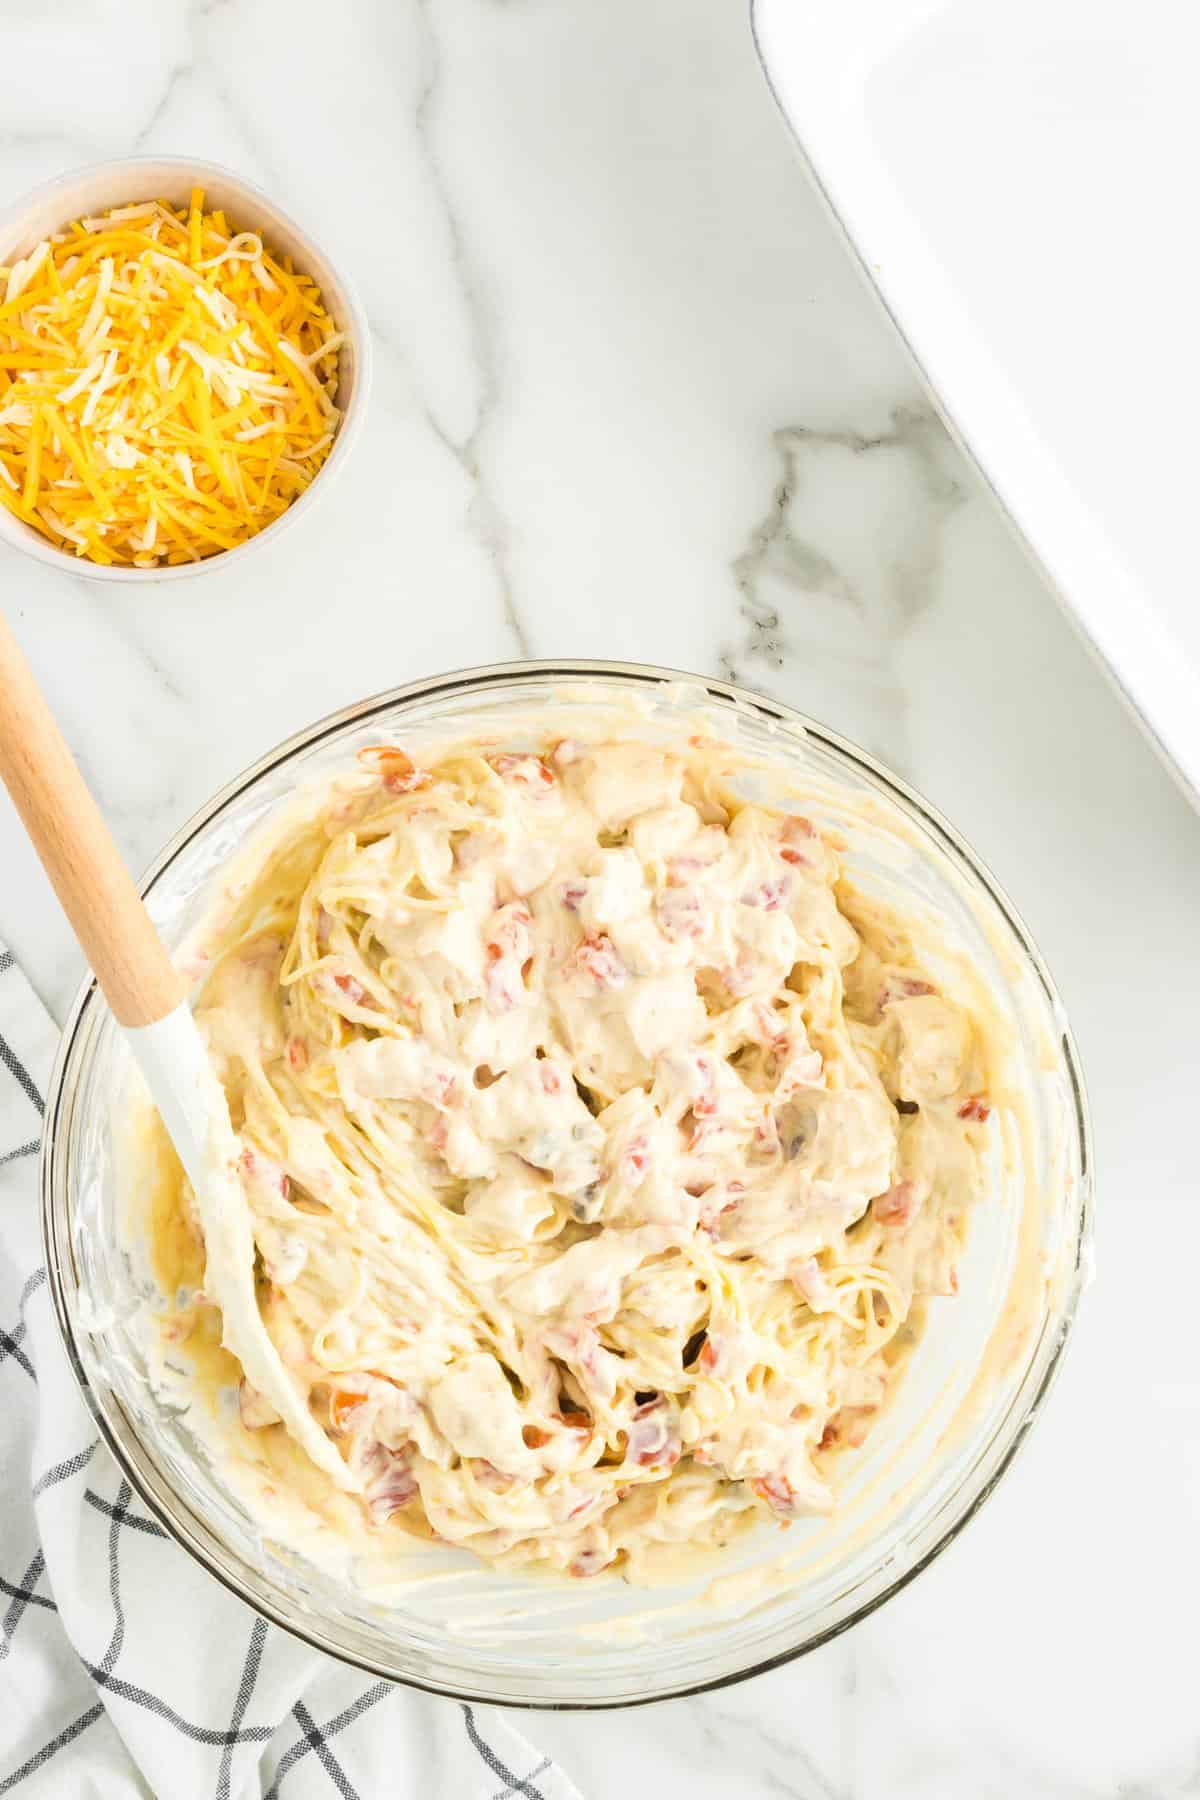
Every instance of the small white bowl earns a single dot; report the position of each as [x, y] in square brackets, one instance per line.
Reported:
[124, 182]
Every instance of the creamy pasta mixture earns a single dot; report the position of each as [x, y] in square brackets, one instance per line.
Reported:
[602, 1145]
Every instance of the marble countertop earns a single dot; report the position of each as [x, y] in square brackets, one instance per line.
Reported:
[631, 400]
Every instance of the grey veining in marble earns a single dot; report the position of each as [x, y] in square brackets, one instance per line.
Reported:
[632, 400]
[820, 596]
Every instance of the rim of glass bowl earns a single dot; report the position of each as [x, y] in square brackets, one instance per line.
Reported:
[991, 1458]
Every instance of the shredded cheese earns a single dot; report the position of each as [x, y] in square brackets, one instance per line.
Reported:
[167, 386]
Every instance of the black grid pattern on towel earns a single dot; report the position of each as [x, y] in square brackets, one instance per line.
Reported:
[21, 1588]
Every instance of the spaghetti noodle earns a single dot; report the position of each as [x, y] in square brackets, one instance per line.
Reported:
[601, 1143]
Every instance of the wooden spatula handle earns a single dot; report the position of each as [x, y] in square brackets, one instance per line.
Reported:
[96, 890]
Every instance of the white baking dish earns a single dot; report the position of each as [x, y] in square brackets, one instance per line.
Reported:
[1017, 181]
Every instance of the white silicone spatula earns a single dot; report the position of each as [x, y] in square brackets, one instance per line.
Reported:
[149, 1000]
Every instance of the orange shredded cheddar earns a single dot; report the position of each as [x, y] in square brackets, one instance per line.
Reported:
[167, 386]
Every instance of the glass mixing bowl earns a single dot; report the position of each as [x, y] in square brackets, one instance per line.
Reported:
[970, 1394]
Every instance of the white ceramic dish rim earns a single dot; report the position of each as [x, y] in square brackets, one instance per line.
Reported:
[819, 98]
[189, 1529]
[259, 211]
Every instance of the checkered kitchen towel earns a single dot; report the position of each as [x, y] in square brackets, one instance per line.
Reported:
[124, 1668]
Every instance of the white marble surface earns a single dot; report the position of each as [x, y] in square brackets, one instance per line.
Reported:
[632, 401]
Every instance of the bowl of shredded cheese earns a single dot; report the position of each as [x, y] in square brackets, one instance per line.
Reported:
[179, 362]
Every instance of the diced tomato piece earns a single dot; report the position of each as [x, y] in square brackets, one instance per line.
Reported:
[778, 1493]
[438, 1086]
[711, 1216]
[595, 959]
[635, 1160]
[702, 1131]
[263, 1170]
[766, 1134]
[354, 990]
[391, 1483]
[897, 1206]
[579, 1344]
[679, 913]
[343, 1404]
[534, 1437]
[652, 1437]
[528, 771]
[395, 768]
[975, 1108]
[904, 987]
[795, 833]
[771, 1030]
[809, 1278]
[297, 1054]
[704, 1102]
[769, 895]
[509, 947]
[509, 931]
[498, 981]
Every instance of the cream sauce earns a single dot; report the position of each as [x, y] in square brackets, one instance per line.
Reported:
[599, 1144]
